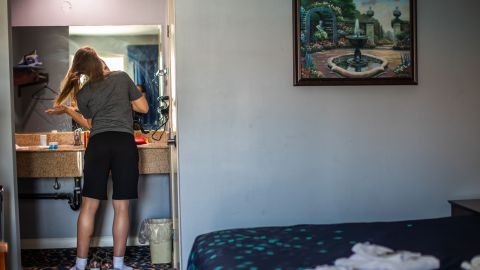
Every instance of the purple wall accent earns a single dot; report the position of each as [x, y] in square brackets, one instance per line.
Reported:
[87, 12]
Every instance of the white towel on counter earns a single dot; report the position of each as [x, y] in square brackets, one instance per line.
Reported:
[474, 264]
[373, 257]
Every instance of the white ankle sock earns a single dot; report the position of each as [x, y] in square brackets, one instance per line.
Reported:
[118, 264]
[81, 263]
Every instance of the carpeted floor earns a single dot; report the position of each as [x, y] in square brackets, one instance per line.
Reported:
[138, 257]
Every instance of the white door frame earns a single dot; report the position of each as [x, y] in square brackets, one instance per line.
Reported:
[172, 128]
[8, 171]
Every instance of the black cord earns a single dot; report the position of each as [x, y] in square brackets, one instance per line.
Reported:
[159, 127]
[163, 109]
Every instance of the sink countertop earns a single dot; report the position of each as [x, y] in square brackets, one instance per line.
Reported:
[35, 161]
[152, 146]
[61, 148]
[66, 138]
[73, 148]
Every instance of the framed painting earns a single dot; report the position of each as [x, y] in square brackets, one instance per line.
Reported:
[354, 42]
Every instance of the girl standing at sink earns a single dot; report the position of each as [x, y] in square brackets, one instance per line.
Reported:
[105, 102]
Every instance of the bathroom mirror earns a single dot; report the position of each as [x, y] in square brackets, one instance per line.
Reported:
[44, 54]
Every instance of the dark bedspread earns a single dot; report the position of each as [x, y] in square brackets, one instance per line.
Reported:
[452, 240]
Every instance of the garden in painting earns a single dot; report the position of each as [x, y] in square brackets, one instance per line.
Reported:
[355, 39]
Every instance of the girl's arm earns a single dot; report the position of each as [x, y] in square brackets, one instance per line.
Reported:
[140, 104]
[76, 116]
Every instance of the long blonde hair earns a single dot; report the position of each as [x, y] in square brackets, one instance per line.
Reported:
[85, 62]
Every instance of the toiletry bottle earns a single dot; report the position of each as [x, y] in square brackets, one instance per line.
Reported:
[86, 133]
[43, 140]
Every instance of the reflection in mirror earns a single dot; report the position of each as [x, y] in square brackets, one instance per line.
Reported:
[45, 53]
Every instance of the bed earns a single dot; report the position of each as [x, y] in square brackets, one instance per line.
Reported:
[452, 240]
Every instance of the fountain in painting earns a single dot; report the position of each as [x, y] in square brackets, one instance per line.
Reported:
[357, 65]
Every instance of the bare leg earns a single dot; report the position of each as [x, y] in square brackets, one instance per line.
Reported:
[120, 228]
[85, 225]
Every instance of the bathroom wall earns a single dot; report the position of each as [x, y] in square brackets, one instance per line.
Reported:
[55, 219]
[51, 44]
[256, 151]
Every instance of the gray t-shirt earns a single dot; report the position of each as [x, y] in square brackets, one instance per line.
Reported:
[107, 103]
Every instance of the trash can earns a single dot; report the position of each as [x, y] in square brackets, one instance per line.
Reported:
[158, 233]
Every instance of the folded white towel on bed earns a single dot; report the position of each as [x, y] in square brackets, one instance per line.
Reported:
[474, 264]
[373, 257]
[388, 263]
[370, 250]
[330, 267]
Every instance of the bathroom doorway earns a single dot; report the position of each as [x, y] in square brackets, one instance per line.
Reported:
[67, 17]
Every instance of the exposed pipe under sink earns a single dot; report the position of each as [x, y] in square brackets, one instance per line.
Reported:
[74, 198]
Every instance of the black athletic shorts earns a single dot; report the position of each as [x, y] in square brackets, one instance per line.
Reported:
[114, 152]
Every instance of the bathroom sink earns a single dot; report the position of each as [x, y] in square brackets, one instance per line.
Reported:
[41, 162]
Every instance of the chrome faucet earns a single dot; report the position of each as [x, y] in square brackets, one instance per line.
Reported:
[77, 139]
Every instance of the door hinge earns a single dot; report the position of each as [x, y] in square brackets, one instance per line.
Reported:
[168, 30]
